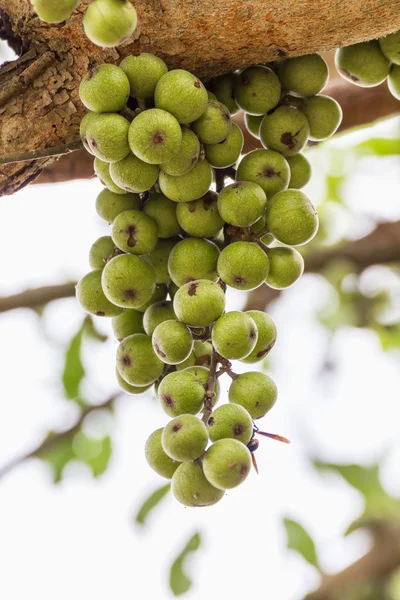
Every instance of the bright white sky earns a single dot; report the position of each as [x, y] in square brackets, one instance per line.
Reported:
[77, 539]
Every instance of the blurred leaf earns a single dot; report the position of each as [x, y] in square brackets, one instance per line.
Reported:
[300, 541]
[95, 453]
[334, 186]
[150, 503]
[74, 371]
[58, 455]
[179, 582]
[389, 336]
[92, 332]
[378, 147]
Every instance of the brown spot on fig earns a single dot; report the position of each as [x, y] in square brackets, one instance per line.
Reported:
[192, 289]
[211, 421]
[100, 313]
[158, 138]
[288, 139]
[131, 230]
[197, 83]
[243, 471]
[266, 350]
[159, 351]
[192, 207]
[130, 293]
[269, 172]
[176, 427]
[126, 360]
[252, 334]
[168, 400]
[232, 464]
[238, 429]
[239, 280]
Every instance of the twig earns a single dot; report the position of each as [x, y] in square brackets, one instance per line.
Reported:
[49, 442]
[37, 297]
[210, 388]
[42, 153]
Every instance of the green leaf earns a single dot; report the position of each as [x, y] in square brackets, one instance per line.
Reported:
[92, 332]
[179, 582]
[150, 503]
[74, 371]
[57, 455]
[300, 541]
[379, 147]
[95, 453]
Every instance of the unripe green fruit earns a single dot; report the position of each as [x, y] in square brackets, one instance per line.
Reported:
[136, 361]
[160, 462]
[191, 488]
[227, 152]
[157, 313]
[182, 94]
[200, 355]
[211, 96]
[266, 336]
[134, 390]
[257, 90]
[193, 259]
[173, 343]
[186, 157]
[243, 266]
[291, 218]
[286, 130]
[91, 298]
[242, 203]
[134, 175]
[160, 293]
[200, 218]
[130, 321]
[102, 249]
[390, 46]
[54, 11]
[172, 289]
[199, 303]
[230, 421]
[184, 438]
[324, 116]
[234, 335]
[83, 129]
[159, 258]
[286, 266]
[202, 374]
[155, 136]
[304, 75]
[102, 170]
[181, 393]
[223, 88]
[128, 281]
[214, 124]
[394, 81]
[134, 232]
[143, 72]
[300, 171]
[253, 123]
[191, 186]
[363, 64]
[266, 168]
[94, 89]
[163, 212]
[226, 464]
[255, 391]
[107, 137]
[108, 23]
[109, 205]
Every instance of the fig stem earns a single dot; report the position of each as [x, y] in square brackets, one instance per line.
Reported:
[210, 387]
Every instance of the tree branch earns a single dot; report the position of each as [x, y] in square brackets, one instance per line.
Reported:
[35, 298]
[48, 110]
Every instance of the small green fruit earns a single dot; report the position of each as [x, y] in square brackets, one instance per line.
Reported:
[223, 88]
[88, 118]
[163, 212]
[157, 313]
[109, 204]
[102, 170]
[134, 232]
[255, 391]
[199, 303]
[390, 46]
[227, 463]
[234, 335]
[230, 421]
[108, 23]
[202, 374]
[286, 266]
[182, 94]
[181, 393]
[143, 72]
[134, 390]
[193, 259]
[291, 218]
[94, 89]
[184, 438]
[214, 124]
[266, 336]
[242, 203]
[159, 258]
[191, 488]
[91, 298]
[160, 462]
[159, 294]
[155, 136]
[363, 64]
[101, 251]
[300, 171]
[266, 168]
[137, 362]
[243, 266]
[257, 90]
[225, 153]
[172, 342]
[128, 281]
[304, 75]
[107, 137]
[253, 123]
[133, 175]
[130, 321]
[54, 11]
[200, 355]
[394, 81]
[191, 186]
[200, 218]
[186, 157]
[324, 116]
[286, 130]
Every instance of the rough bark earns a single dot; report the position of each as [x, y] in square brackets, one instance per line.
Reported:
[39, 103]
